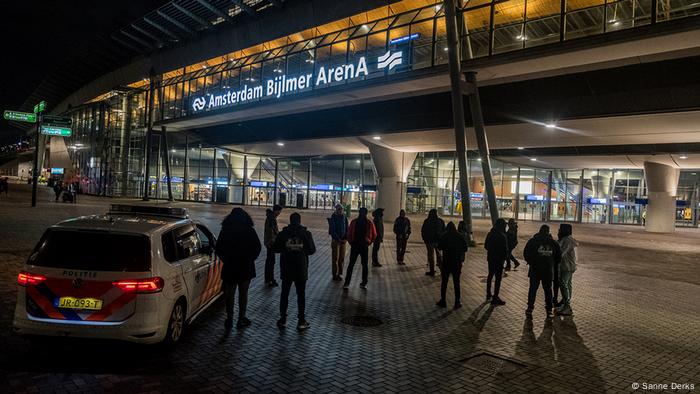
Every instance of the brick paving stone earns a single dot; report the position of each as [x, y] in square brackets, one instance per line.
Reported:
[635, 302]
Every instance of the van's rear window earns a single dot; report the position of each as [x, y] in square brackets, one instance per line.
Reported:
[93, 251]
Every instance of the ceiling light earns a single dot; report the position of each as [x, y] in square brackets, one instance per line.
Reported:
[357, 161]
[693, 173]
[173, 150]
[521, 148]
[445, 49]
[479, 159]
[533, 159]
[521, 37]
[550, 125]
[376, 137]
[682, 157]
[280, 144]
[364, 26]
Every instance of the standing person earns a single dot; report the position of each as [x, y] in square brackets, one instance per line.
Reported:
[512, 235]
[541, 252]
[338, 229]
[238, 246]
[361, 234]
[4, 185]
[496, 246]
[454, 246]
[295, 244]
[568, 246]
[402, 229]
[271, 231]
[378, 220]
[57, 189]
[432, 228]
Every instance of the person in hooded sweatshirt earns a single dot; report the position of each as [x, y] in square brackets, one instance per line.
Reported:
[237, 246]
[431, 230]
[512, 234]
[295, 244]
[402, 230]
[568, 246]
[541, 253]
[338, 229]
[378, 220]
[361, 234]
[454, 246]
[271, 231]
[496, 245]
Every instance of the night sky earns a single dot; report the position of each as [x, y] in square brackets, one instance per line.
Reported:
[38, 36]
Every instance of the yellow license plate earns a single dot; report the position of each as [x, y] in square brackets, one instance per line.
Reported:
[80, 303]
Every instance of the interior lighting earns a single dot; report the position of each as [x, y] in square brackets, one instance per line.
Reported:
[280, 144]
[682, 157]
[364, 27]
[550, 125]
[521, 37]
[521, 148]
[357, 161]
[533, 159]
[445, 49]
[376, 137]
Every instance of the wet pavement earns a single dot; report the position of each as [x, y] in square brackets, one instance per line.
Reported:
[636, 304]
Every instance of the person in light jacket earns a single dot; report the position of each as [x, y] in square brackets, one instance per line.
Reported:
[567, 267]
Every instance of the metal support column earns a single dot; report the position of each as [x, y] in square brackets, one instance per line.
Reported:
[308, 185]
[186, 171]
[362, 180]
[579, 204]
[244, 198]
[458, 112]
[274, 193]
[166, 156]
[548, 203]
[516, 205]
[35, 165]
[149, 134]
[213, 178]
[611, 197]
[342, 181]
[482, 143]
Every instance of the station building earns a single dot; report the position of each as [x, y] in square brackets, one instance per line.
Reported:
[592, 107]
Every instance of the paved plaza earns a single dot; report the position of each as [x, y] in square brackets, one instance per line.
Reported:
[636, 304]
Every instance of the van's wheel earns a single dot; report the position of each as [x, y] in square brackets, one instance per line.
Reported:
[176, 324]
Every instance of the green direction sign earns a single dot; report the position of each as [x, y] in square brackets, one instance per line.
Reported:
[40, 107]
[56, 130]
[20, 116]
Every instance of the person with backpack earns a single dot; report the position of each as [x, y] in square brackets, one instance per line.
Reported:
[361, 234]
[454, 247]
[541, 253]
[567, 267]
[337, 229]
[271, 231]
[431, 230]
[402, 229]
[512, 235]
[378, 220]
[237, 246]
[496, 245]
[295, 244]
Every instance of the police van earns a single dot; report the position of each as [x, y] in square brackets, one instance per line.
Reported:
[137, 273]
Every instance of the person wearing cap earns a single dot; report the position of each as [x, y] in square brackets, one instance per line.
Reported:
[378, 220]
[337, 229]
[512, 235]
[271, 231]
[361, 234]
[295, 244]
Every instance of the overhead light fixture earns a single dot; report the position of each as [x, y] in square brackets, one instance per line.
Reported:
[446, 49]
[364, 27]
[682, 157]
[533, 159]
[280, 144]
[357, 161]
[693, 173]
[479, 159]
[550, 125]
[376, 137]
[521, 37]
[173, 150]
[521, 148]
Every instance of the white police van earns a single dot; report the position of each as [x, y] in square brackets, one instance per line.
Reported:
[137, 273]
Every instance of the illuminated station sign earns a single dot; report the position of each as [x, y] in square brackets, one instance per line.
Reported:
[285, 85]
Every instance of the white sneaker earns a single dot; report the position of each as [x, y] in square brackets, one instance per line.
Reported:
[363, 286]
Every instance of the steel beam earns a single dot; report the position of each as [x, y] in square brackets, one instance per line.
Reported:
[140, 41]
[161, 28]
[192, 16]
[149, 35]
[176, 22]
[126, 44]
[276, 3]
[245, 7]
[215, 10]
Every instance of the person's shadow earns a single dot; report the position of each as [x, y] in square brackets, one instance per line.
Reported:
[572, 350]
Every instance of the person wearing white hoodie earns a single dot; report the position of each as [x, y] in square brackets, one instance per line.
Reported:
[568, 246]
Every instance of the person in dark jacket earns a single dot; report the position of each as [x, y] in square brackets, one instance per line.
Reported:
[295, 244]
[361, 234]
[238, 246]
[57, 190]
[496, 246]
[378, 220]
[541, 253]
[454, 247]
[402, 229]
[338, 229]
[512, 235]
[271, 231]
[431, 230]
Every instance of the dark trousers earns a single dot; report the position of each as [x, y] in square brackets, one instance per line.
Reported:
[401, 243]
[375, 252]
[495, 270]
[555, 283]
[230, 296]
[535, 281]
[356, 251]
[511, 258]
[300, 286]
[270, 266]
[456, 273]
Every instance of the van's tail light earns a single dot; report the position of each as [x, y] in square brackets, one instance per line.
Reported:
[28, 279]
[147, 285]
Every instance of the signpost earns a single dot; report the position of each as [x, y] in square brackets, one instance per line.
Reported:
[56, 131]
[17, 116]
[56, 125]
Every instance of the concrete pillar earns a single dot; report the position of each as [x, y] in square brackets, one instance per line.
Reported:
[662, 184]
[392, 172]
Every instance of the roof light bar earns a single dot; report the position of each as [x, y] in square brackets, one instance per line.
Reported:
[116, 209]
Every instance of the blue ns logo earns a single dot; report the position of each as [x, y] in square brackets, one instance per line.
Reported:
[199, 103]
